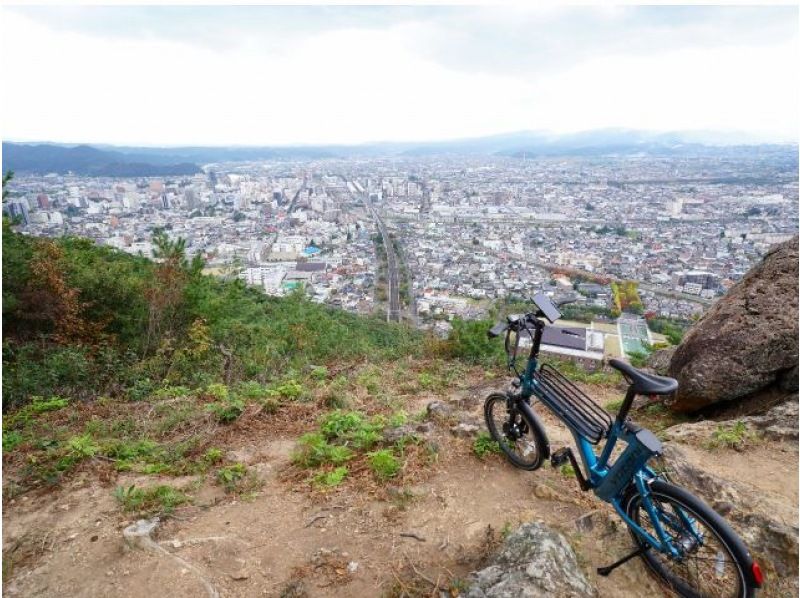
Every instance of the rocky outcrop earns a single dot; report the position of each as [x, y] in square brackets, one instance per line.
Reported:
[772, 540]
[534, 561]
[747, 341]
[659, 360]
[779, 423]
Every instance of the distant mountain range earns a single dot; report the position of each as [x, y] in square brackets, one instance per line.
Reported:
[106, 160]
[86, 160]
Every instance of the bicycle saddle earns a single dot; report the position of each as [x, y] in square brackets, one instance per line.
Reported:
[643, 383]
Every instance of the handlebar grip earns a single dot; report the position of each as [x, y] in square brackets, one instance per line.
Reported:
[497, 330]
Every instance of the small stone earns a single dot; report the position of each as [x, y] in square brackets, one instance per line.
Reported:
[138, 534]
[545, 492]
[439, 409]
[240, 575]
[465, 430]
[94, 538]
[352, 567]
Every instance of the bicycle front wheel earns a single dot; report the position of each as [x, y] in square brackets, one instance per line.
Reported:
[521, 440]
[713, 561]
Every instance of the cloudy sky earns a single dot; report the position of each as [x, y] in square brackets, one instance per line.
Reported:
[326, 74]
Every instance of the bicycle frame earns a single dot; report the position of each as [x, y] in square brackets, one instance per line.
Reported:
[596, 468]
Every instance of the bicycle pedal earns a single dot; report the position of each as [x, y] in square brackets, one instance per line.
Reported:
[560, 457]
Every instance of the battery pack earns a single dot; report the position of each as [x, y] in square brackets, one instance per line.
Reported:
[641, 446]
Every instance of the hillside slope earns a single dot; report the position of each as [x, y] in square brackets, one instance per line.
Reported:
[287, 449]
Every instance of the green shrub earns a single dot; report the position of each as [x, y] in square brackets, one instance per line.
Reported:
[141, 389]
[40, 405]
[124, 450]
[735, 436]
[319, 373]
[160, 499]
[11, 439]
[340, 424]
[218, 391]
[484, 445]
[398, 419]
[353, 428]
[213, 456]
[330, 478]
[314, 451]
[230, 476]
[370, 379]
[614, 406]
[428, 381]
[82, 446]
[252, 391]
[468, 341]
[638, 359]
[171, 392]
[227, 410]
[384, 464]
[290, 389]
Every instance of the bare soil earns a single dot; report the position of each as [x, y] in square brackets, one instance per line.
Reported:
[351, 541]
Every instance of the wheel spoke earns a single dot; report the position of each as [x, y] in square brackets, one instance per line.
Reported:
[705, 567]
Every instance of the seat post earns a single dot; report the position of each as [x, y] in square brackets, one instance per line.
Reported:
[626, 405]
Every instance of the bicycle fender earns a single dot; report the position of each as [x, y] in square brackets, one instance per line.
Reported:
[530, 414]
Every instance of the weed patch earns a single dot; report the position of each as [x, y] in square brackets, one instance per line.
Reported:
[484, 445]
[161, 500]
[735, 437]
[331, 478]
[236, 478]
[384, 464]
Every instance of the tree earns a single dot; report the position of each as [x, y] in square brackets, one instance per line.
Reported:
[6, 179]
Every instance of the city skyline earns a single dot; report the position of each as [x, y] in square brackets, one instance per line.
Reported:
[171, 76]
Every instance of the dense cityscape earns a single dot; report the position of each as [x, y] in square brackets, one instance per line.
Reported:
[428, 239]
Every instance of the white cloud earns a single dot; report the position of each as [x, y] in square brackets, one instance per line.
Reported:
[381, 80]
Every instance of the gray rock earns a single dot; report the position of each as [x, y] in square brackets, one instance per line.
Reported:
[439, 409]
[422, 430]
[394, 434]
[465, 430]
[746, 341]
[139, 534]
[534, 561]
[659, 360]
[772, 541]
[779, 423]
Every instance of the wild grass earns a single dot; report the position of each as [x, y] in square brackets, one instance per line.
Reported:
[735, 436]
[155, 500]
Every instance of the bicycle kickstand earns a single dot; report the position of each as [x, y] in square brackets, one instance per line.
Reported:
[604, 571]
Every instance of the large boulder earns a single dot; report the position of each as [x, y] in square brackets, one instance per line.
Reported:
[747, 340]
[534, 561]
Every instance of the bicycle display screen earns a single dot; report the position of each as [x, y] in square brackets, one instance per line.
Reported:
[547, 307]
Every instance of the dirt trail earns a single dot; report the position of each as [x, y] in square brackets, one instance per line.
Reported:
[346, 543]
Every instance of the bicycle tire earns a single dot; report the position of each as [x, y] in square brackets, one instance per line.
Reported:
[537, 438]
[656, 562]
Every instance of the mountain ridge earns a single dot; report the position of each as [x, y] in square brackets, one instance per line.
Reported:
[109, 160]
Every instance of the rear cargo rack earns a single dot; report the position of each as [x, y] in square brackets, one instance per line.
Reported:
[570, 403]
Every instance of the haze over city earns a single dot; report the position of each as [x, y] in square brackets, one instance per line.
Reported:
[326, 74]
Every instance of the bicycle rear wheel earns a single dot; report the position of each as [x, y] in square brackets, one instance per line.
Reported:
[716, 566]
[521, 440]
